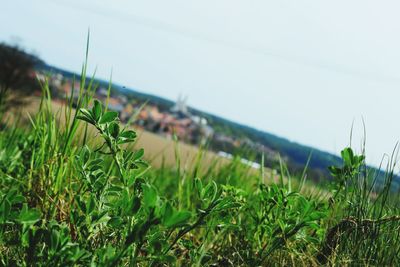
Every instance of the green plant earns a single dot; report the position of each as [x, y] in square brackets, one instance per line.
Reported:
[137, 202]
[73, 192]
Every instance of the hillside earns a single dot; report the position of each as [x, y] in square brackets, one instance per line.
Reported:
[295, 155]
[253, 142]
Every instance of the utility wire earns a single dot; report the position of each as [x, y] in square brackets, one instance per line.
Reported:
[186, 33]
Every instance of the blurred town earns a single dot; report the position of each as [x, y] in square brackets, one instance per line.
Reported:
[176, 120]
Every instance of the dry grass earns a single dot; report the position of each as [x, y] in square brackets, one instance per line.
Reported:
[160, 150]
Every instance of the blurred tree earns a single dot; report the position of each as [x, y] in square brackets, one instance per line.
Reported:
[16, 69]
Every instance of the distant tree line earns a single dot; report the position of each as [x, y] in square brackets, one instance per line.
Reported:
[16, 79]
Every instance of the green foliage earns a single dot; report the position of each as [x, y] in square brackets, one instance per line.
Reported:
[70, 196]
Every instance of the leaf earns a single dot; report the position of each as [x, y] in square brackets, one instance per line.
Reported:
[149, 196]
[126, 137]
[108, 117]
[85, 154]
[210, 191]
[103, 218]
[97, 110]
[136, 204]
[361, 158]
[78, 254]
[113, 129]
[167, 211]
[177, 219]
[54, 240]
[86, 113]
[138, 154]
[335, 171]
[347, 155]
[29, 216]
[226, 203]
[173, 218]
[91, 205]
[84, 118]
[142, 163]
[170, 259]
[128, 134]
[5, 210]
[96, 161]
[115, 222]
[95, 168]
[115, 188]
[304, 204]
[316, 215]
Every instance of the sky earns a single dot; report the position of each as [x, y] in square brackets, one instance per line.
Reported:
[301, 69]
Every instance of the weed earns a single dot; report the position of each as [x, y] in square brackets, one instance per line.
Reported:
[74, 192]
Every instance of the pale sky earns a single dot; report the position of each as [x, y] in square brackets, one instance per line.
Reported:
[300, 69]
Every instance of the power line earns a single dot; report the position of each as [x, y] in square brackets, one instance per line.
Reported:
[169, 28]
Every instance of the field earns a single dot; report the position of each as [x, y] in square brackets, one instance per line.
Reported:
[160, 151]
[76, 190]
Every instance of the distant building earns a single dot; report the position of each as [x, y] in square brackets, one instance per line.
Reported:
[197, 128]
[180, 108]
[127, 112]
[102, 92]
[115, 104]
[68, 88]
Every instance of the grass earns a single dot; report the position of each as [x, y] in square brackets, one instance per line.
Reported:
[75, 190]
[160, 151]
